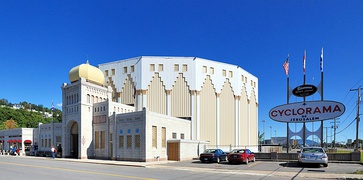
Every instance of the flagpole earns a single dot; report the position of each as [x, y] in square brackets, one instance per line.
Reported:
[322, 93]
[304, 70]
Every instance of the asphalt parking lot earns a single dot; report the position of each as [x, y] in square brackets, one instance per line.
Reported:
[269, 166]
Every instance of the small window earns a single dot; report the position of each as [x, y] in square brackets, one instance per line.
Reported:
[176, 67]
[230, 74]
[245, 79]
[137, 141]
[204, 70]
[254, 84]
[132, 68]
[121, 141]
[154, 137]
[161, 68]
[112, 72]
[125, 70]
[185, 67]
[224, 73]
[152, 67]
[242, 78]
[163, 136]
[106, 73]
[181, 136]
[174, 135]
[129, 141]
[211, 70]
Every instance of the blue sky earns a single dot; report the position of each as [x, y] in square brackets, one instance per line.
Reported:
[40, 41]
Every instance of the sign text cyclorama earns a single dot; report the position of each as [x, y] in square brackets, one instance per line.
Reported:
[307, 111]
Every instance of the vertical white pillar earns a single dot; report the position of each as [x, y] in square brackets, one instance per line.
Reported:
[236, 120]
[168, 105]
[144, 100]
[197, 115]
[193, 119]
[218, 120]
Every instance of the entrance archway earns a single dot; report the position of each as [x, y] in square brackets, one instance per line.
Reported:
[74, 140]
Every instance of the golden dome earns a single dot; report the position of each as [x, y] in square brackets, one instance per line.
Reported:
[90, 73]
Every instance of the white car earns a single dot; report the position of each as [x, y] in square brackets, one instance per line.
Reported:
[313, 155]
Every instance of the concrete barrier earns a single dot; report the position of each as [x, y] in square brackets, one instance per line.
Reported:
[275, 156]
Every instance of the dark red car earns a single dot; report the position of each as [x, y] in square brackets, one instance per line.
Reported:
[241, 156]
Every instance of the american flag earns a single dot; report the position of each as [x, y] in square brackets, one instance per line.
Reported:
[52, 107]
[321, 60]
[286, 65]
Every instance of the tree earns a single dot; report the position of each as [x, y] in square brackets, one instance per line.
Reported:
[260, 137]
[9, 124]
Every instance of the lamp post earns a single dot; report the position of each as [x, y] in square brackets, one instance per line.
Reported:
[263, 121]
[271, 133]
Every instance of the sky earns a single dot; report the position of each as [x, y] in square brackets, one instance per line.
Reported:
[40, 41]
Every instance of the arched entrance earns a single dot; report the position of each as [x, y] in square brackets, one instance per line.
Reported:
[74, 140]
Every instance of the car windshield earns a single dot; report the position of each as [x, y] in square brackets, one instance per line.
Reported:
[238, 151]
[210, 151]
[313, 150]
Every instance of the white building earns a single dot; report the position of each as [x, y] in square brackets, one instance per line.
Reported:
[152, 108]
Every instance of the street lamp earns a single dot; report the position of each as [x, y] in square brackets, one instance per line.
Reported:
[263, 121]
[271, 133]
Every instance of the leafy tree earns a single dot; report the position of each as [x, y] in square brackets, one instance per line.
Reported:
[9, 124]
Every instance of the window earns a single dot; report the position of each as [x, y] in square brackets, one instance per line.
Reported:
[185, 67]
[88, 98]
[125, 69]
[174, 135]
[211, 70]
[106, 73]
[224, 73]
[230, 74]
[176, 67]
[163, 136]
[97, 140]
[242, 78]
[129, 141]
[132, 68]
[154, 137]
[111, 137]
[152, 67]
[112, 72]
[204, 70]
[182, 136]
[161, 67]
[137, 141]
[103, 141]
[121, 142]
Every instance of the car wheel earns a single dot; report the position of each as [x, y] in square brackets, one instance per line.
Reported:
[254, 159]
[218, 160]
[246, 160]
[325, 165]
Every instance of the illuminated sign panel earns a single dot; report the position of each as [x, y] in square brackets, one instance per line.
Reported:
[308, 111]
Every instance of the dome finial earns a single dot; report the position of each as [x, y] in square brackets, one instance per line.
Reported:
[87, 62]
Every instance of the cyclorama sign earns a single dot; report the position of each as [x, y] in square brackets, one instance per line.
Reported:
[307, 111]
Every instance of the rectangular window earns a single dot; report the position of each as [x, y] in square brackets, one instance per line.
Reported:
[204, 70]
[46, 143]
[174, 135]
[242, 78]
[254, 84]
[137, 141]
[111, 137]
[103, 139]
[152, 67]
[97, 140]
[181, 136]
[211, 70]
[163, 136]
[132, 68]
[106, 73]
[245, 79]
[42, 145]
[176, 67]
[230, 74]
[185, 67]
[125, 70]
[121, 142]
[154, 137]
[161, 68]
[50, 142]
[224, 73]
[129, 141]
[112, 72]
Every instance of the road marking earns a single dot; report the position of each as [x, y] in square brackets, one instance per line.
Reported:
[79, 171]
[254, 163]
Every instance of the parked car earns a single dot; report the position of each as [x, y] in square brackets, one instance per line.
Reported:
[213, 155]
[313, 155]
[241, 156]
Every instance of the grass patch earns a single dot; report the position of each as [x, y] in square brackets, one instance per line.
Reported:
[358, 172]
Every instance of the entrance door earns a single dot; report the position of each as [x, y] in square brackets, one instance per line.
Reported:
[173, 151]
[74, 141]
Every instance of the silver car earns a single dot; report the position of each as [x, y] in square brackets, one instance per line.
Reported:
[313, 155]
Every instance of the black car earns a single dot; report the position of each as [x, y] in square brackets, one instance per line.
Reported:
[213, 155]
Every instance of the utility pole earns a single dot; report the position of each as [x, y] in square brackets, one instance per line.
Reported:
[357, 118]
[326, 136]
[335, 127]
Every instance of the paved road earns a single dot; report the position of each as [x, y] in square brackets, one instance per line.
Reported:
[46, 168]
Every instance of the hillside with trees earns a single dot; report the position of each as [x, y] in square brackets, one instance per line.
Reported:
[26, 115]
